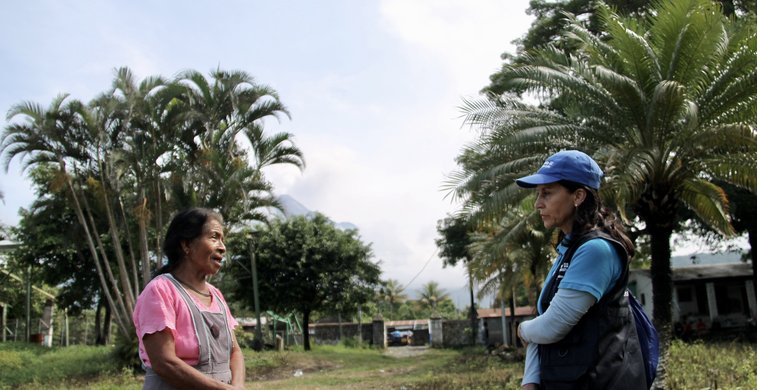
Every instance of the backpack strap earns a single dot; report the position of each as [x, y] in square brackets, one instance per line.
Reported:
[567, 257]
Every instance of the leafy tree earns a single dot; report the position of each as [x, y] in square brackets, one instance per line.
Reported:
[454, 241]
[664, 104]
[63, 135]
[51, 236]
[512, 254]
[308, 265]
[416, 308]
[142, 149]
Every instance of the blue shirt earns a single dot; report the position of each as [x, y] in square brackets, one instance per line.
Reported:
[594, 269]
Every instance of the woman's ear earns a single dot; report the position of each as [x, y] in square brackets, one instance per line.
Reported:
[579, 196]
[185, 247]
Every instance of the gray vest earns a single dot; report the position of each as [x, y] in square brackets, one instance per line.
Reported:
[213, 336]
[602, 351]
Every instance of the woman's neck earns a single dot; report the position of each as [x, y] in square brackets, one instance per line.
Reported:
[190, 277]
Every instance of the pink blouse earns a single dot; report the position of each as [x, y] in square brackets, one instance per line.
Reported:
[160, 306]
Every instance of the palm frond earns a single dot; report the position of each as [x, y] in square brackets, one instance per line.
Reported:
[709, 202]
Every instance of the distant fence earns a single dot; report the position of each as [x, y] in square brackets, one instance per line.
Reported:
[454, 333]
[81, 330]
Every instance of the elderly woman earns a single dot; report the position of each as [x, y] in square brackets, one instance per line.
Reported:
[584, 336]
[184, 325]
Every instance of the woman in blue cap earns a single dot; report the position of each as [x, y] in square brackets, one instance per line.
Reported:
[584, 336]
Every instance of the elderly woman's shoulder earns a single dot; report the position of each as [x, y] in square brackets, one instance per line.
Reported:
[160, 284]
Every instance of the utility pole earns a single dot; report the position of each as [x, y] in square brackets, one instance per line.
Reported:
[27, 333]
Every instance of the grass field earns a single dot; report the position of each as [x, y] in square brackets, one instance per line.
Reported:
[697, 365]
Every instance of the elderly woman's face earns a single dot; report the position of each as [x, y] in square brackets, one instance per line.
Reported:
[206, 251]
[556, 206]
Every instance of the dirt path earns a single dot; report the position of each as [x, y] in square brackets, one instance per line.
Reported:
[406, 351]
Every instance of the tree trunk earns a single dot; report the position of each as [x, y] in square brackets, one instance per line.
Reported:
[306, 330]
[123, 274]
[118, 302]
[662, 278]
[473, 315]
[130, 248]
[106, 325]
[90, 242]
[159, 222]
[142, 215]
[513, 338]
[98, 330]
[662, 295]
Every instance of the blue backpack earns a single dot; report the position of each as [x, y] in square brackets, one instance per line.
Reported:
[648, 338]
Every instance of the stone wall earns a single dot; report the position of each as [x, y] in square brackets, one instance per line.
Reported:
[450, 333]
[420, 337]
[455, 334]
[329, 333]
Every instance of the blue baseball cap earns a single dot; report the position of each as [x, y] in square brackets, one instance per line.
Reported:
[571, 165]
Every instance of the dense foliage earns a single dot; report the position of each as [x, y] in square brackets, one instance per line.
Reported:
[308, 264]
[664, 103]
[117, 167]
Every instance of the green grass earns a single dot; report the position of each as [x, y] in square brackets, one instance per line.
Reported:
[701, 365]
[340, 367]
[26, 366]
[691, 366]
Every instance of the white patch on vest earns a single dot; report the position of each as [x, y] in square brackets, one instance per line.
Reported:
[562, 270]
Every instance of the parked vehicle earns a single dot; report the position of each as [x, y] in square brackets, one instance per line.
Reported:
[401, 337]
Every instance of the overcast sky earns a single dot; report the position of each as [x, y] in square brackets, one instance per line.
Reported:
[374, 89]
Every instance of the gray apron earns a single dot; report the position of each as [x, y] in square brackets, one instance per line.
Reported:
[213, 336]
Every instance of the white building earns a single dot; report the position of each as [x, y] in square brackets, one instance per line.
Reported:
[720, 294]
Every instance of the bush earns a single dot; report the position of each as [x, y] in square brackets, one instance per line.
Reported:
[126, 352]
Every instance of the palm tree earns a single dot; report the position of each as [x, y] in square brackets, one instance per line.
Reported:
[516, 250]
[391, 295]
[148, 132]
[61, 135]
[431, 295]
[221, 110]
[664, 104]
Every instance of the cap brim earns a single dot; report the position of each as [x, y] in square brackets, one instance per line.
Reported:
[534, 180]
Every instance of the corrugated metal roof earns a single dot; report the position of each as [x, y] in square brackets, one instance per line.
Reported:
[524, 311]
[715, 271]
[404, 324]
